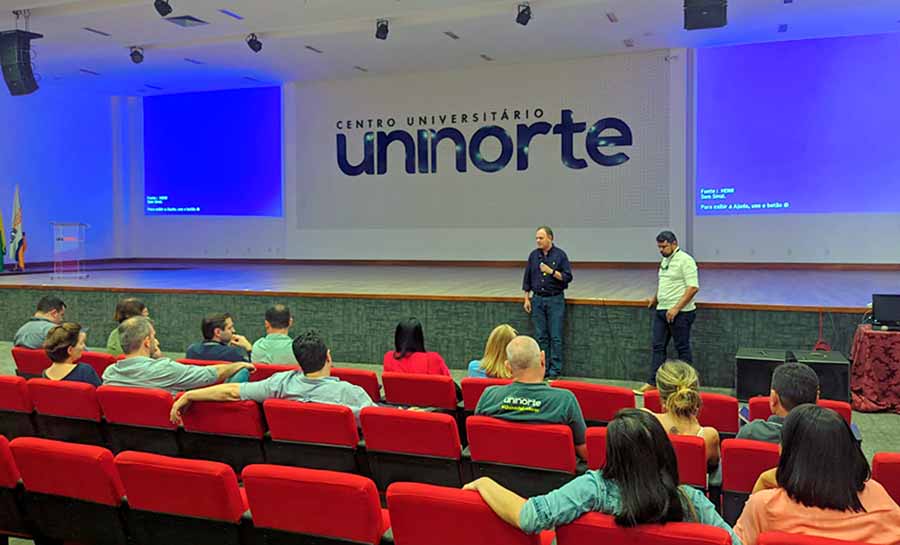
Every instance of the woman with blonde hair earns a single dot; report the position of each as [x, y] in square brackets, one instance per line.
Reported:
[491, 363]
[679, 392]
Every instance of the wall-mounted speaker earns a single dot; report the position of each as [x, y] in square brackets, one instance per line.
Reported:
[15, 58]
[699, 14]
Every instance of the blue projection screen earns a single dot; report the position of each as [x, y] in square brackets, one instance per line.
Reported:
[800, 127]
[213, 153]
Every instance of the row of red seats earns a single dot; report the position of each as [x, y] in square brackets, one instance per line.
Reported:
[312, 435]
[599, 403]
[77, 493]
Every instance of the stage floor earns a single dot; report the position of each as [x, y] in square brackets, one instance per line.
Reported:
[777, 289]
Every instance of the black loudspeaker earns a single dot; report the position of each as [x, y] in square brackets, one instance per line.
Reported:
[753, 370]
[15, 58]
[833, 370]
[700, 14]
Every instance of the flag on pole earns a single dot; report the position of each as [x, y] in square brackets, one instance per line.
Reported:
[17, 236]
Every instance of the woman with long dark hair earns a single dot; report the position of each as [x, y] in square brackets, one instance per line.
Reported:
[824, 486]
[638, 485]
[409, 354]
[125, 308]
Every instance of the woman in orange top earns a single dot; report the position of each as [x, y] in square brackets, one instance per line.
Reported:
[409, 355]
[824, 486]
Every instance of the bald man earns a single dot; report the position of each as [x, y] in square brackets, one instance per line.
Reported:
[529, 398]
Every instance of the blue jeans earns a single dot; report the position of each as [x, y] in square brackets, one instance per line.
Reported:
[548, 314]
[679, 330]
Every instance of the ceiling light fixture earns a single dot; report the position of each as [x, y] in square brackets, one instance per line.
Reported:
[524, 14]
[253, 43]
[162, 7]
[381, 29]
[137, 55]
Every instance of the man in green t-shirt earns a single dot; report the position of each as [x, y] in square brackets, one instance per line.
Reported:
[529, 398]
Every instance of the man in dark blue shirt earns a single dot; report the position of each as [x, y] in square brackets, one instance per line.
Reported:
[220, 342]
[547, 275]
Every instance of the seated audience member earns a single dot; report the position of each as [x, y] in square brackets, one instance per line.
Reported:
[638, 485]
[276, 347]
[679, 393]
[220, 342]
[823, 486]
[126, 308]
[314, 385]
[145, 366]
[64, 346]
[793, 384]
[409, 355]
[528, 398]
[50, 312]
[492, 362]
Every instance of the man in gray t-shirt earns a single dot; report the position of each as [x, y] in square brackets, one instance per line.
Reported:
[315, 384]
[145, 367]
[792, 384]
[50, 312]
[529, 398]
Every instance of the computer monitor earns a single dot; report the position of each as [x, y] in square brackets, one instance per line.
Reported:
[886, 309]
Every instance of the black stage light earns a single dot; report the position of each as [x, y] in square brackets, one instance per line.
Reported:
[381, 29]
[524, 14]
[254, 43]
[137, 55]
[162, 7]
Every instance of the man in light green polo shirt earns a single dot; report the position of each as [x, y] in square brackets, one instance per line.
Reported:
[276, 346]
[674, 302]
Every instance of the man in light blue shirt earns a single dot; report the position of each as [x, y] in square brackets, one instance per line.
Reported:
[145, 367]
[50, 312]
[315, 384]
[276, 347]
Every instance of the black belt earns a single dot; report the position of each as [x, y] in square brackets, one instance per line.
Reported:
[547, 294]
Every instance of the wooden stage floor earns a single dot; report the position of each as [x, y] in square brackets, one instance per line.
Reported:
[776, 289]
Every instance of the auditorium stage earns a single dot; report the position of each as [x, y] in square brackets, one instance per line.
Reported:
[357, 306]
[766, 288]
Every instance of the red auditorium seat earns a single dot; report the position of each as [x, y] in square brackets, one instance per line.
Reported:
[472, 388]
[531, 459]
[367, 380]
[312, 435]
[599, 403]
[886, 470]
[11, 520]
[412, 446]
[264, 371]
[840, 407]
[299, 505]
[420, 390]
[230, 432]
[98, 360]
[595, 439]
[67, 411]
[72, 492]
[16, 409]
[30, 363]
[718, 411]
[598, 528]
[760, 410]
[138, 419]
[173, 501]
[423, 514]
[690, 451]
[742, 462]
[781, 538]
